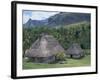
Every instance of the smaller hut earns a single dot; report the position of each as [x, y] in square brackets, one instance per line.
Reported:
[75, 51]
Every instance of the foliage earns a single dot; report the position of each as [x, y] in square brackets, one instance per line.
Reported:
[66, 35]
[87, 52]
[60, 56]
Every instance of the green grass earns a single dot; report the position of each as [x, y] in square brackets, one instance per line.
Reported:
[85, 61]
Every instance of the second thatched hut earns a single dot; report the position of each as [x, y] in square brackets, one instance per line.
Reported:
[75, 51]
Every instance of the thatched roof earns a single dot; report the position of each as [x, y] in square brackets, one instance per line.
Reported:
[46, 46]
[74, 49]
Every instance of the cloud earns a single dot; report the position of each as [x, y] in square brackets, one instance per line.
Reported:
[41, 15]
[37, 15]
[25, 18]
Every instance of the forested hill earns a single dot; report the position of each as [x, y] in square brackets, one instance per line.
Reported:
[59, 19]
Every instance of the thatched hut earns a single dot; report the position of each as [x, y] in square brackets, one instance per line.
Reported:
[44, 49]
[75, 51]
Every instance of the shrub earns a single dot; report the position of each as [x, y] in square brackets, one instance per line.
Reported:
[87, 51]
[60, 56]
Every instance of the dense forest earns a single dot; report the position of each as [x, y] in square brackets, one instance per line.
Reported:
[66, 35]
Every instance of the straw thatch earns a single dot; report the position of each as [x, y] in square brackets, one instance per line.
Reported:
[44, 49]
[75, 51]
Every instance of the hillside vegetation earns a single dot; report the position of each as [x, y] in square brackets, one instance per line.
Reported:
[66, 35]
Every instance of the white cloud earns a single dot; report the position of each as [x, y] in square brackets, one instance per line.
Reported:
[25, 18]
[37, 15]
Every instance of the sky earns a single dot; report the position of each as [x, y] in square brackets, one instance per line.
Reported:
[36, 15]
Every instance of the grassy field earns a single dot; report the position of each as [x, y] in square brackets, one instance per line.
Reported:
[85, 61]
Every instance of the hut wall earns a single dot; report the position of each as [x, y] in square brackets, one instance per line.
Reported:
[76, 56]
[43, 59]
[68, 55]
[49, 59]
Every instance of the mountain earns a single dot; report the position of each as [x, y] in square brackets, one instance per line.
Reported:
[60, 19]
[35, 23]
[67, 18]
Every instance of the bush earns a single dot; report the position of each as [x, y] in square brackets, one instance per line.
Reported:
[60, 56]
[87, 51]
